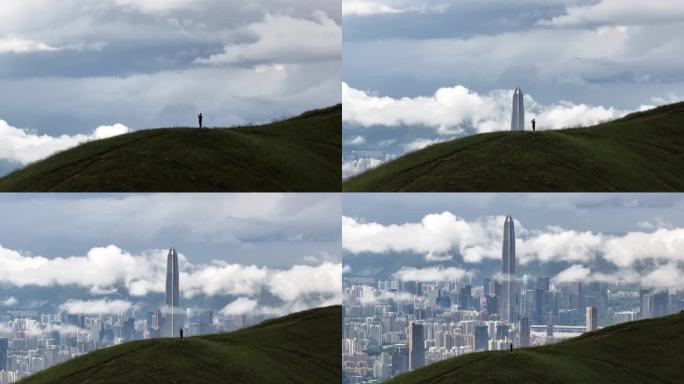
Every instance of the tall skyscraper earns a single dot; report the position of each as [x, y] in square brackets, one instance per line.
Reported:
[577, 299]
[508, 302]
[592, 318]
[481, 338]
[172, 303]
[4, 345]
[518, 115]
[416, 341]
[525, 331]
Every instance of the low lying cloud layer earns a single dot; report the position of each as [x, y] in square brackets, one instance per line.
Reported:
[379, 7]
[104, 270]
[23, 146]
[455, 110]
[657, 254]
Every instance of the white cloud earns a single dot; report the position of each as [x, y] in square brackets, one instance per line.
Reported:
[456, 109]
[421, 143]
[103, 270]
[437, 235]
[8, 302]
[240, 306]
[431, 274]
[356, 166]
[356, 140]
[155, 6]
[23, 146]
[285, 40]
[15, 44]
[663, 245]
[375, 7]
[95, 307]
[632, 12]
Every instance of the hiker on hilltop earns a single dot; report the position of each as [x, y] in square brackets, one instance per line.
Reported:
[200, 119]
[534, 124]
[511, 347]
[181, 333]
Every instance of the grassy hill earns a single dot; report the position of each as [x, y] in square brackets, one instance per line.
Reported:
[299, 348]
[298, 154]
[647, 351]
[640, 152]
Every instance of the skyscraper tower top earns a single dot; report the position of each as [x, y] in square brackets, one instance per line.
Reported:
[172, 279]
[518, 115]
[508, 252]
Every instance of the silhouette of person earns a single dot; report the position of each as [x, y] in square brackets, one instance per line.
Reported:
[534, 124]
[200, 119]
[511, 347]
[181, 334]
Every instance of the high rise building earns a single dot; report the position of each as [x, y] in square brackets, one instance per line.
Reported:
[4, 345]
[524, 331]
[518, 115]
[509, 292]
[416, 341]
[577, 298]
[172, 303]
[481, 338]
[592, 318]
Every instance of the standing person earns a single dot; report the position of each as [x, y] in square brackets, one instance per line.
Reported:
[200, 119]
[512, 343]
[181, 334]
[534, 124]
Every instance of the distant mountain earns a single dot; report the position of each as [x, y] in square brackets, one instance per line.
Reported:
[299, 348]
[301, 154]
[647, 351]
[643, 151]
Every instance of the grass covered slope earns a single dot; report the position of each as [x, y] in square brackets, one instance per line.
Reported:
[299, 348]
[298, 154]
[647, 351]
[640, 152]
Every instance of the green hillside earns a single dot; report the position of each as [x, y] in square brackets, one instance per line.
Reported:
[647, 351]
[640, 152]
[298, 154]
[299, 348]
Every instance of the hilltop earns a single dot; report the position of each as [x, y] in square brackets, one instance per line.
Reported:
[301, 154]
[298, 348]
[646, 351]
[643, 151]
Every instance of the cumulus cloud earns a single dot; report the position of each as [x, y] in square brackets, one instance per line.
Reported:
[378, 7]
[23, 146]
[421, 143]
[240, 306]
[18, 45]
[284, 40]
[104, 270]
[9, 302]
[153, 6]
[356, 166]
[454, 110]
[630, 12]
[431, 274]
[356, 140]
[96, 307]
[436, 236]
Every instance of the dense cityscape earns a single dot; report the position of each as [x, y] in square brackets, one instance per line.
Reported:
[393, 326]
[31, 341]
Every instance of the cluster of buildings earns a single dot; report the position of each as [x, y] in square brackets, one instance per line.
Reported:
[392, 326]
[32, 341]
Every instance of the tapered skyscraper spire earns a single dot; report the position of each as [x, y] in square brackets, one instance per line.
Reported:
[518, 116]
[172, 279]
[508, 252]
[509, 302]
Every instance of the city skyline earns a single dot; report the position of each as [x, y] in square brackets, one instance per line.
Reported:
[432, 297]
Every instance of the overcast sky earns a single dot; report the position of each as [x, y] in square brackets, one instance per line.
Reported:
[629, 238]
[282, 248]
[70, 67]
[417, 72]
